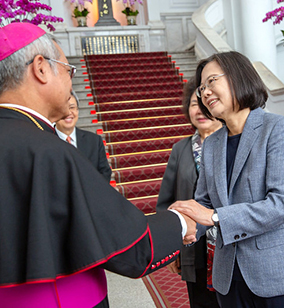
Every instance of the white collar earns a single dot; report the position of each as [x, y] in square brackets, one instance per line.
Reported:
[30, 111]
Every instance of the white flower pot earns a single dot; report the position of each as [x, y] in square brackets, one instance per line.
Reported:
[82, 21]
[131, 20]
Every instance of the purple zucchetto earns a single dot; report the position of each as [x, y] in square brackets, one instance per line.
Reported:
[17, 35]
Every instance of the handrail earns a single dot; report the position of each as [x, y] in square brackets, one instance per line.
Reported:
[215, 42]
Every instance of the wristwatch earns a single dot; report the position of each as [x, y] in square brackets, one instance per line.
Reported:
[215, 218]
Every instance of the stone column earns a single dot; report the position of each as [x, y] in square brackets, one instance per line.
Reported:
[258, 38]
[106, 14]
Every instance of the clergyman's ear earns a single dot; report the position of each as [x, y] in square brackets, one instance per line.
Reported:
[40, 68]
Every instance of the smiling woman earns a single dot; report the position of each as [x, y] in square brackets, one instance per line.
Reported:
[241, 184]
[241, 90]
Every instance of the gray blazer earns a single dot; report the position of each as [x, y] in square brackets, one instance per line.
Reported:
[179, 183]
[251, 213]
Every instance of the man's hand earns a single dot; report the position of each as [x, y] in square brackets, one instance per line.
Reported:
[190, 236]
[174, 267]
[195, 211]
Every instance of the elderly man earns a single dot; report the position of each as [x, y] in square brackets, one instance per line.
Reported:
[90, 144]
[61, 224]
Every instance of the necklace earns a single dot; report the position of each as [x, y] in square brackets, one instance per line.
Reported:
[26, 114]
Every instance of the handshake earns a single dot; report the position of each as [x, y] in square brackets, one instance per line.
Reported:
[193, 213]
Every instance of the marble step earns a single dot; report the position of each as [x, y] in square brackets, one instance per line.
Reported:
[82, 93]
[186, 67]
[182, 54]
[80, 80]
[85, 111]
[89, 127]
[86, 120]
[76, 60]
[81, 86]
[86, 102]
[185, 61]
[187, 73]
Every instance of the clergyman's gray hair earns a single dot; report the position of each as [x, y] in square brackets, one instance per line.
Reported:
[13, 68]
[73, 93]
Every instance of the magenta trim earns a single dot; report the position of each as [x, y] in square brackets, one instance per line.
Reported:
[83, 290]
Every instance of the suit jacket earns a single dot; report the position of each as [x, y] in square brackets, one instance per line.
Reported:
[179, 183]
[251, 211]
[91, 145]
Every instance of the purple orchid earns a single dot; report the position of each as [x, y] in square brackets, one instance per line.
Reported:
[129, 3]
[79, 2]
[276, 15]
[79, 7]
[26, 11]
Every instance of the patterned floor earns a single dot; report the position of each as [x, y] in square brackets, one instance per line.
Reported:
[167, 289]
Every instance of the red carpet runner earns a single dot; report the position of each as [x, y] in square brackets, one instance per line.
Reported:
[137, 101]
[166, 289]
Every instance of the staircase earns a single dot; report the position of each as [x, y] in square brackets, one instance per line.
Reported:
[134, 102]
[186, 61]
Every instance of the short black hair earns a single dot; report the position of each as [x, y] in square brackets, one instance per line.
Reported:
[188, 91]
[246, 86]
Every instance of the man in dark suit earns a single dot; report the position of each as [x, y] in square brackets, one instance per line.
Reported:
[90, 144]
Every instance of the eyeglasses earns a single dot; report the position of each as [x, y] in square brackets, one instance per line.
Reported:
[209, 83]
[72, 70]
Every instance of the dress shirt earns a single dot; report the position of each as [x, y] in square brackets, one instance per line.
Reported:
[64, 136]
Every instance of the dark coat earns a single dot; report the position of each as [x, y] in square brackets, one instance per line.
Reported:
[91, 145]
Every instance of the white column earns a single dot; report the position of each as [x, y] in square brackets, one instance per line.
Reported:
[258, 38]
[154, 9]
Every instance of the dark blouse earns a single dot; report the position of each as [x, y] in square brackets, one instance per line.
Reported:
[232, 147]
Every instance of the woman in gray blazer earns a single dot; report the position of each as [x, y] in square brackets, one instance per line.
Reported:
[179, 183]
[241, 184]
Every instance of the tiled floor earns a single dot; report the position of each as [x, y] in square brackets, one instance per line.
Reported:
[132, 293]
[124, 292]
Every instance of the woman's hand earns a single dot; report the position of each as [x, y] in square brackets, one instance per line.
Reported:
[195, 211]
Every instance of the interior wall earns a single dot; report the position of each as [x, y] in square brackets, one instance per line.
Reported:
[158, 7]
[247, 33]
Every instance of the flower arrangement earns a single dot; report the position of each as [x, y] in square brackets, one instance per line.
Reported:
[80, 10]
[276, 15]
[129, 11]
[26, 11]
